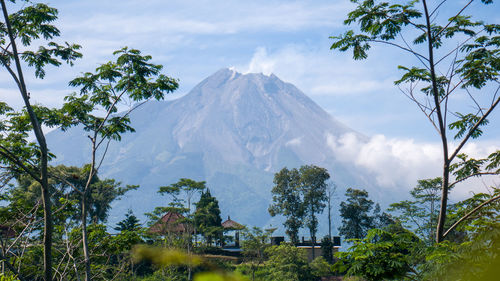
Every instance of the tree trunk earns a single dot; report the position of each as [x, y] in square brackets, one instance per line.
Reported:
[442, 130]
[313, 242]
[85, 238]
[444, 202]
[47, 231]
[329, 217]
[37, 130]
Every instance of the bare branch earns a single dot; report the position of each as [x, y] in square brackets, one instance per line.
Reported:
[471, 131]
[470, 214]
[401, 47]
[7, 154]
[452, 19]
[437, 7]
[458, 47]
[474, 175]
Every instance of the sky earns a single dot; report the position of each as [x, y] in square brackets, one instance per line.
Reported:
[194, 39]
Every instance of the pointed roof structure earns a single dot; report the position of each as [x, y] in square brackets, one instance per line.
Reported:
[171, 222]
[231, 225]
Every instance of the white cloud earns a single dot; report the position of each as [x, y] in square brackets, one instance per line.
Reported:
[318, 71]
[399, 163]
[207, 17]
[294, 142]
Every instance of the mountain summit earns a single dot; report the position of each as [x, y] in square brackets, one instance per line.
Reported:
[232, 130]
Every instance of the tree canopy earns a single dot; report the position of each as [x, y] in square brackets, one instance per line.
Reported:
[455, 55]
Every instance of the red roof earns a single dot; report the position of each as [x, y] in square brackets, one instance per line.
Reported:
[170, 222]
[231, 225]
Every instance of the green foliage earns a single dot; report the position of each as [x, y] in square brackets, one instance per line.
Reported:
[469, 167]
[356, 220]
[168, 257]
[207, 217]
[287, 263]
[320, 267]
[255, 242]
[18, 154]
[313, 189]
[182, 192]
[420, 214]
[298, 195]
[131, 77]
[130, 223]
[23, 214]
[456, 56]
[380, 255]
[8, 277]
[287, 201]
[251, 271]
[327, 249]
[478, 256]
[254, 246]
[33, 22]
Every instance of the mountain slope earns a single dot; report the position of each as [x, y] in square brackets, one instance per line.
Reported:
[232, 130]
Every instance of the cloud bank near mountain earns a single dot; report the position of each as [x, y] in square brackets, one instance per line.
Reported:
[397, 163]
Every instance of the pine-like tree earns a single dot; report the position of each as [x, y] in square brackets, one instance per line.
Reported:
[130, 223]
[207, 217]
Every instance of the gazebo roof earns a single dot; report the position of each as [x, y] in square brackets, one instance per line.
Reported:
[170, 222]
[231, 225]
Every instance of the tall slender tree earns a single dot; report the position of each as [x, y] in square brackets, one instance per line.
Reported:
[455, 55]
[332, 188]
[131, 78]
[287, 201]
[420, 214]
[313, 188]
[29, 23]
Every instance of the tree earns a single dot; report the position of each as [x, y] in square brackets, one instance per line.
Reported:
[207, 217]
[327, 248]
[187, 186]
[254, 245]
[298, 195]
[381, 255]
[381, 219]
[313, 188]
[130, 223]
[332, 188]
[31, 22]
[420, 214]
[287, 263]
[23, 214]
[456, 55]
[356, 220]
[131, 78]
[320, 268]
[476, 257]
[287, 201]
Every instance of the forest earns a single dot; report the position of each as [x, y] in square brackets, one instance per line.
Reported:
[53, 218]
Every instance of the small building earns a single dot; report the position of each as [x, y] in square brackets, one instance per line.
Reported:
[171, 222]
[318, 251]
[232, 226]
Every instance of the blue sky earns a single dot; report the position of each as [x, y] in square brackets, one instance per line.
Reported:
[193, 39]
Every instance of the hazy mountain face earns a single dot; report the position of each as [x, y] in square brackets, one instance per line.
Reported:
[232, 130]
